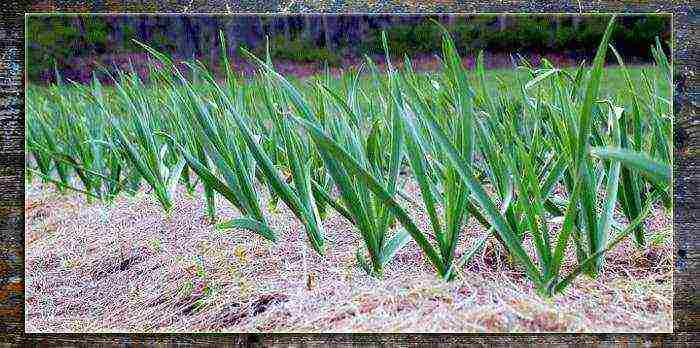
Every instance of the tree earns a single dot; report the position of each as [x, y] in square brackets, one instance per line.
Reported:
[502, 22]
[327, 34]
[212, 25]
[285, 27]
[231, 30]
[185, 37]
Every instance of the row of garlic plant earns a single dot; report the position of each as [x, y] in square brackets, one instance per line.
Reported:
[341, 146]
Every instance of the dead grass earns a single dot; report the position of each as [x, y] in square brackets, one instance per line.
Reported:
[126, 267]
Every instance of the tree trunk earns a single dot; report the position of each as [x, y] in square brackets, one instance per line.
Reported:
[576, 21]
[252, 29]
[260, 27]
[185, 37]
[306, 31]
[327, 41]
[271, 27]
[81, 44]
[214, 42]
[557, 27]
[116, 26]
[285, 28]
[502, 22]
[231, 37]
[142, 27]
[363, 28]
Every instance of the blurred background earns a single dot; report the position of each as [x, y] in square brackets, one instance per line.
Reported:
[77, 45]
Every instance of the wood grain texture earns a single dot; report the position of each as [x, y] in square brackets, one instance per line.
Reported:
[686, 169]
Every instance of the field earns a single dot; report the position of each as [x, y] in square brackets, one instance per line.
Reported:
[531, 199]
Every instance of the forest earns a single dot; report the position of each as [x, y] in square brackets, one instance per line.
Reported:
[77, 45]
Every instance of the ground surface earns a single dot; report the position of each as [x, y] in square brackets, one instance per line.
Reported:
[128, 267]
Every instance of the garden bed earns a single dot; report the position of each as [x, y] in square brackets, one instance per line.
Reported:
[128, 267]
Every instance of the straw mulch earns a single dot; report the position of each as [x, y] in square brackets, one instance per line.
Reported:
[95, 267]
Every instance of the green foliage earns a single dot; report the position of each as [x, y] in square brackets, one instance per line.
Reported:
[633, 37]
[299, 50]
[564, 37]
[548, 156]
[525, 34]
[48, 42]
[405, 39]
[97, 33]
[52, 41]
